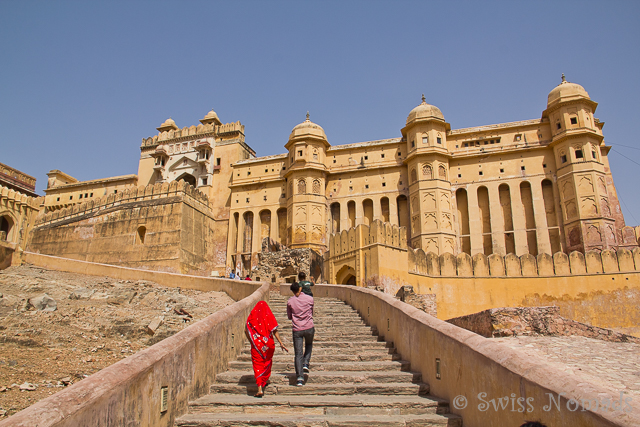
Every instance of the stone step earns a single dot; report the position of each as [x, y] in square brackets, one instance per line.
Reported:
[332, 365]
[324, 336]
[353, 327]
[284, 388]
[319, 320]
[335, 356]
[346, 329]
[319, 405]
[323, 377]
[292, 420]
[360, 345]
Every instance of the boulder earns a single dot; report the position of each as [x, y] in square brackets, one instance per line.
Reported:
[43, 303]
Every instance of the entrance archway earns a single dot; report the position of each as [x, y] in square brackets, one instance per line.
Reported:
[346, 276]
[188, 178]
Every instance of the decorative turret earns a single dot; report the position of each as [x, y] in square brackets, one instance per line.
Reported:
[587, 200]
[427, 163]
[307, 145]
[211, 118]
[306, 177]
[168, 124]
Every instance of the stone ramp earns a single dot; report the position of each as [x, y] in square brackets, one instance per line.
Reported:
[356, 379]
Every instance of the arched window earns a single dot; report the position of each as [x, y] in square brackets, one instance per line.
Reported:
[302, 186]
[426, 171]
[414, 177]
[316, 186]
[442, 172]
[315, 154]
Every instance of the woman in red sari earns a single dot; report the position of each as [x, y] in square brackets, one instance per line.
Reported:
[261, 328]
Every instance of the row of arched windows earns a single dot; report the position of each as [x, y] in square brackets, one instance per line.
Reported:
[316, 187]
[427, 173]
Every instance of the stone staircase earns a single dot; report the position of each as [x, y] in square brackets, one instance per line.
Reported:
[355, 380]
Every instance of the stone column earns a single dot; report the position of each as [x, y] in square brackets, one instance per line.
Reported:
[540, 215]
[497, 220]
[517, 213]
[377, 209]
[344, 215]
[256, 235]
[273, 228]
[393, 211]
[475, 224]
[359, 213]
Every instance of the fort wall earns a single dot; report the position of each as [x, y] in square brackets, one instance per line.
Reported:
[164, 227]
[584, 286]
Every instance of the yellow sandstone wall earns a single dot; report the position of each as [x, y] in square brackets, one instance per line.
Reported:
[584, 286]
[164, 227]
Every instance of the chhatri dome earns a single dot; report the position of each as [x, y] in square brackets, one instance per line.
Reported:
[308, 128]
[211, 117]
[425, 111]
[167, 125]
[566, 91]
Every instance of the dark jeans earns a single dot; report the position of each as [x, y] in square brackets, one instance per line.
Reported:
[302, 359]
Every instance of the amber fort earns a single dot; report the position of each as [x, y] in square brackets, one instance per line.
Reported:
[519, 214]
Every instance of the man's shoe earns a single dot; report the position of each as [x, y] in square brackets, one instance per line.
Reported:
[305, 369]
[300, 383]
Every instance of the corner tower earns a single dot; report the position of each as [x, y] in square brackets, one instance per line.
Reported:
[306, 181]
[432, 221]
[587, 197]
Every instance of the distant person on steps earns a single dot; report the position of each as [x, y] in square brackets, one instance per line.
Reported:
[304, 283]
[260, 329]
[300, 312]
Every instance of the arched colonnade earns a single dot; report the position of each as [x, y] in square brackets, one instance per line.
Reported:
[509, 217]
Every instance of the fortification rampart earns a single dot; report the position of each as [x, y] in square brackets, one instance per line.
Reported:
[527, 265]
[495, 265]
[583, 286]
[133, 195]
[164, 227]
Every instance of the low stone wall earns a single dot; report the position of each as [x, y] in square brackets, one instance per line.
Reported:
[128, 393]
[513, 321]
[456, 362]
[236, 289]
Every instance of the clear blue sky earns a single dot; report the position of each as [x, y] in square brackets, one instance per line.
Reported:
[84, 81]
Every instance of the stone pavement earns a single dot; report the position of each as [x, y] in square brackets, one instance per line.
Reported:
[615, 366]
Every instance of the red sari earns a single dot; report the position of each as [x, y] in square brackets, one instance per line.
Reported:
[261, 324]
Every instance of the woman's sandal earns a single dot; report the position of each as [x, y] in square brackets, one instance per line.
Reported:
[259, 394]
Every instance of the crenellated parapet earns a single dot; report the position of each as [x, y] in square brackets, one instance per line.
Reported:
[128, 196]
[18, 212]
[12, 199]
[544, 265]
[187, 131]
[362, 236]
